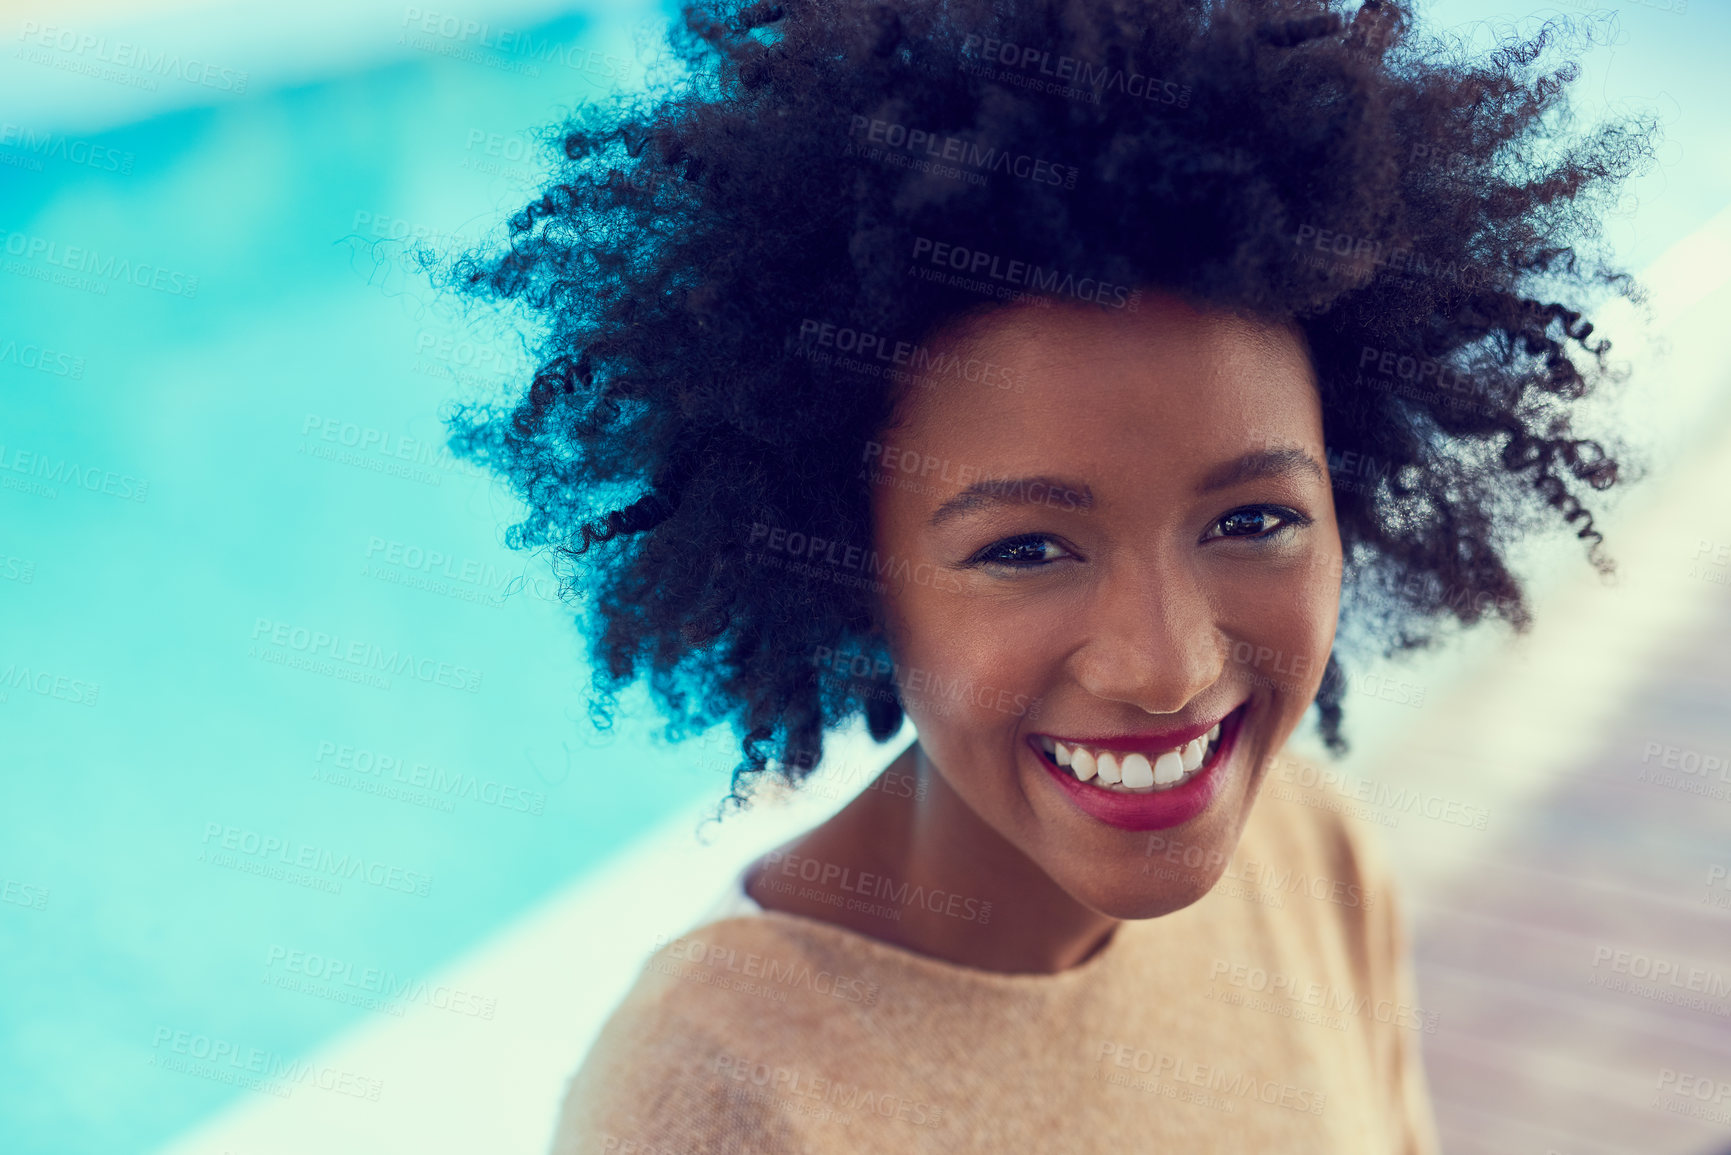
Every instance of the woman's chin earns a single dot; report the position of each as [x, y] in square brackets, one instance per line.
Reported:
[1143, 896]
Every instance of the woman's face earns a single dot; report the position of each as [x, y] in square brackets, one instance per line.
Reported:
[1119, 537]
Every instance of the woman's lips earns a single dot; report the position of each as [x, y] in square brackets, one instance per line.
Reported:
[1153, 742]
[1147, 808]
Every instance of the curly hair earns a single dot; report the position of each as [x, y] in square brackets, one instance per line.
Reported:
[805, 187]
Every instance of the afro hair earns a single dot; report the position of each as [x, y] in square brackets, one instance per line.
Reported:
[825, 178]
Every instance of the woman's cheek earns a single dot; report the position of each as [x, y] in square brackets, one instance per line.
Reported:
[968, 669]
[1321, 611]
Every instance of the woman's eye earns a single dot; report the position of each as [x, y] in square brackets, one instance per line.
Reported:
[1026, 552]
[1256, 523]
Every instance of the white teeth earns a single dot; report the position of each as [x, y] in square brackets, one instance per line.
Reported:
[1082, 764]
[1133, 773]
[1138, 772]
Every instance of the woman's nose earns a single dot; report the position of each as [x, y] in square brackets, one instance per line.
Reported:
[1150, 639]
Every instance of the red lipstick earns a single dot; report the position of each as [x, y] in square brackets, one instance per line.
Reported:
[1159, 809]
[1157, 741]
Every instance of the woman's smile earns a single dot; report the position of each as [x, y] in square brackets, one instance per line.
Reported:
[1143, 781]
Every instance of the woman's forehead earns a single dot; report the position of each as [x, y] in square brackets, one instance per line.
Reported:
[1165, 365]
[1051, 331]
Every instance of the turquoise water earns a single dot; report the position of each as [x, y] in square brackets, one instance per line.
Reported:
[199, 480]
[258, 634]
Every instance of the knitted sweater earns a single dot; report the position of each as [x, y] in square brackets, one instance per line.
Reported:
[1275, 1016]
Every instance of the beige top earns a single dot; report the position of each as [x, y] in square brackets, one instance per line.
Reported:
[1275, 1015]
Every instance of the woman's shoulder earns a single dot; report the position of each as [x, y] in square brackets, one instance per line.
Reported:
[675, 1057]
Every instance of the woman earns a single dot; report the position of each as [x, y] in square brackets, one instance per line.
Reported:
[1060, 375]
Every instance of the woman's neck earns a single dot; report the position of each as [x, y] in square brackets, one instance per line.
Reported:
[926, 874]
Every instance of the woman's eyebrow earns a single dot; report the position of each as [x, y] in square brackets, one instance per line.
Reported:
[1056, 491]
[1040, 490]
[1259, 464]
